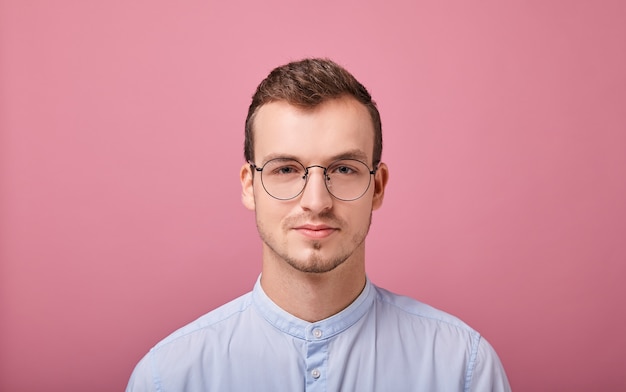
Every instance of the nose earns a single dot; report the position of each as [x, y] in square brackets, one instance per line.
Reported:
[315, 196]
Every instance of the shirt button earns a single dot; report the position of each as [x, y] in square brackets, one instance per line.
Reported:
[317, 333]
[315, 373]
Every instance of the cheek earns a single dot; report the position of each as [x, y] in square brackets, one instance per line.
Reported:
[270, 211]
[357, 214]
[364, 214]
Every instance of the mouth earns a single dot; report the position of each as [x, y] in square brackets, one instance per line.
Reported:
[315, 231]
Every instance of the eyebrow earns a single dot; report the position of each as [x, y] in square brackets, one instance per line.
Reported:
[350, 154]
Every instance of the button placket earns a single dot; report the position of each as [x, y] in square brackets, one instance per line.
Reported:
[316, 360]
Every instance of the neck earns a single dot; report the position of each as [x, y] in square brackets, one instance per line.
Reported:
[313, 296]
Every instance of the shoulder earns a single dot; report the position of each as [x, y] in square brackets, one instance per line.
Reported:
[413, 308]
[213, 320]
[447, 337]
[184, 348]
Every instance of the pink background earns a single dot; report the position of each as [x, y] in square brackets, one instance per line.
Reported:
[121, 140]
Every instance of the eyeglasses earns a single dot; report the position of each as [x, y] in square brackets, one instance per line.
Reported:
[285, 178]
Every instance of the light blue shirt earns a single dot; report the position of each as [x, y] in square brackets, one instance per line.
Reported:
[381, 342]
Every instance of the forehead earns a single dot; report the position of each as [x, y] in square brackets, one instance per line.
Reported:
[333, 129]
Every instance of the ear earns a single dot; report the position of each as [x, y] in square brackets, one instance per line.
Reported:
[380, 182]
[247, 186]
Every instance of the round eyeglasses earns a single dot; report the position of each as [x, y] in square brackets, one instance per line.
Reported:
[285, 178]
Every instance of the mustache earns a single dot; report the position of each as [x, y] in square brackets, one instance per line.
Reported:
[325, 217]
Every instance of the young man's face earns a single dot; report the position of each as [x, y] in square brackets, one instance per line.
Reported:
[314, 232]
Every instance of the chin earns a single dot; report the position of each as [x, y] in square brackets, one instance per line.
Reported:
[315, 264]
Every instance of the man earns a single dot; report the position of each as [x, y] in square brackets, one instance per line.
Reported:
[314, 322]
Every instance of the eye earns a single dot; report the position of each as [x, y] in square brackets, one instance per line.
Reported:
[344, 168]
[283, 168]
[286, 170]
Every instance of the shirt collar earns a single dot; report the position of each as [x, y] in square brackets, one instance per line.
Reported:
[319, 330]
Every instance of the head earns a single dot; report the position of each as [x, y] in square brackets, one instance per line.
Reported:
[315, 112]
[306, 84]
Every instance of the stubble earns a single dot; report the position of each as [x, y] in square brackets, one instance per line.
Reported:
[315, 262]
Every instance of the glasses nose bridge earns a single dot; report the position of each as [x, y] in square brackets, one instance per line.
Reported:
[306, 171]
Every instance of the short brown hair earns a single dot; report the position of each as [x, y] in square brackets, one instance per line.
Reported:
[306, 84]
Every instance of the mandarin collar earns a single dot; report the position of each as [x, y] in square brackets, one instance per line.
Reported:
[319, 330]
